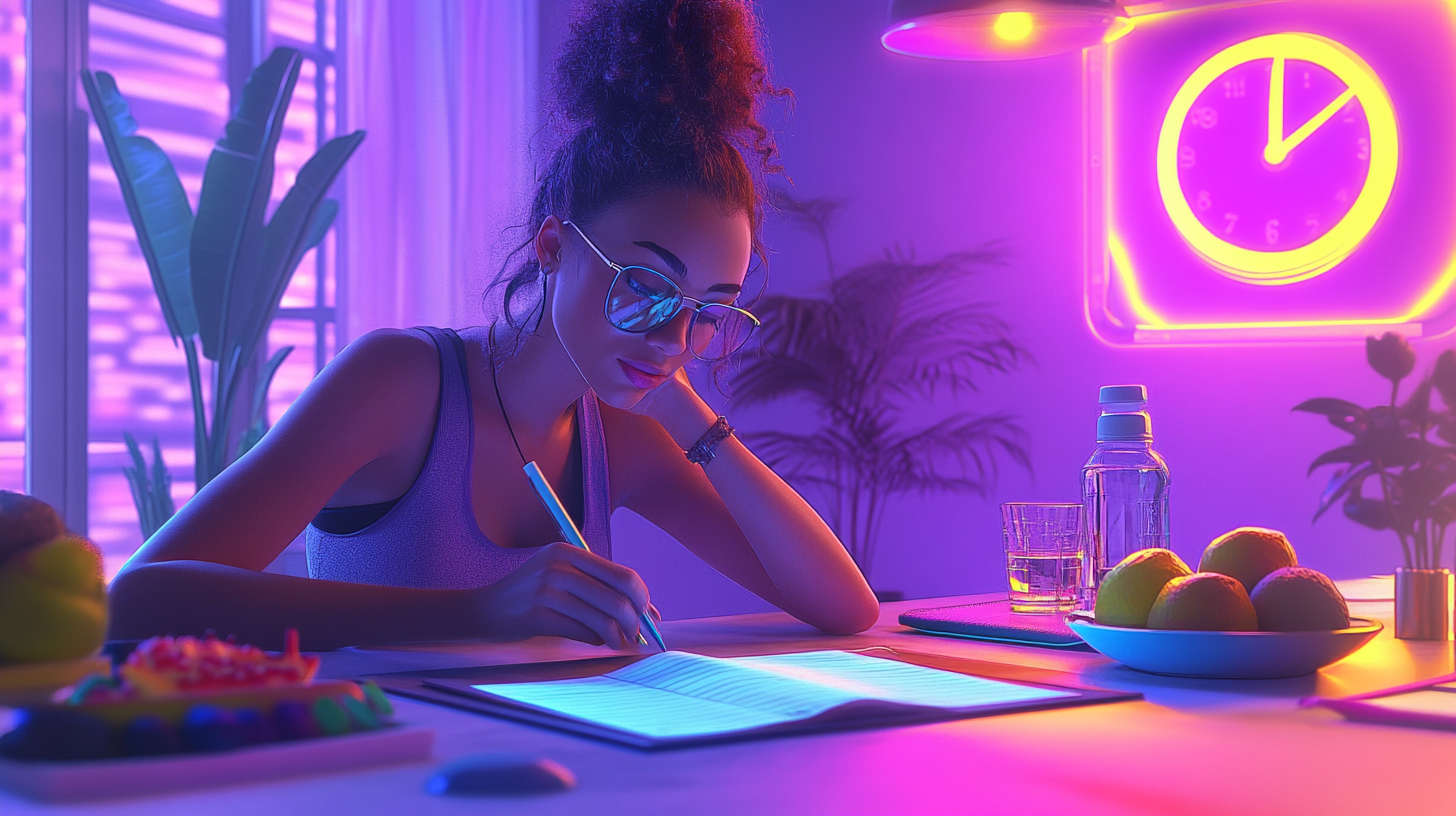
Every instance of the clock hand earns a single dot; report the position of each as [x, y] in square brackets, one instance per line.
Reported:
[1278, 148]
[1276, 113]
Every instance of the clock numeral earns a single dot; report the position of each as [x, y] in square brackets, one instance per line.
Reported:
[1342, 196]
[1186, 157]
[1363, 151]
[1306, 80]
[1204, 201]
[1313, 223]
[1271, 231]
[1204, 116]
[1347, 113]
[1232, 219]
[1233, 88]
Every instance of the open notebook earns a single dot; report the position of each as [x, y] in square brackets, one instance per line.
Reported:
[676, 698]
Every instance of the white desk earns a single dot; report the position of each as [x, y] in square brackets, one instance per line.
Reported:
[1193, 747]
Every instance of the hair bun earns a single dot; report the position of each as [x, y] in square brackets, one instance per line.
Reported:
[665, 68]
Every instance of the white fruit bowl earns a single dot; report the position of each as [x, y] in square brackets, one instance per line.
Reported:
[1233, 655]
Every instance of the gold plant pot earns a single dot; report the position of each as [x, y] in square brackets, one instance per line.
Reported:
[1423, 604]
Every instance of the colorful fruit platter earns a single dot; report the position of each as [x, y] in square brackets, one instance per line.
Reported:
[1249, 612]
[185, 712]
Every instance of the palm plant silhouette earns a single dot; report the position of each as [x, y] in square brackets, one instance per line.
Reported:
[888, 336]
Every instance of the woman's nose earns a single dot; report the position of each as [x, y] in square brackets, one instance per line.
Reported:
[671, 338]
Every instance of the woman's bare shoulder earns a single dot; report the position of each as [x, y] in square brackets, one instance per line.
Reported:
[389, 356]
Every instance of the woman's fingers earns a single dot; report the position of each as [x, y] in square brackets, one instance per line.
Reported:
[620, 578]
[599, 623]
[652, 610]
[603, 598]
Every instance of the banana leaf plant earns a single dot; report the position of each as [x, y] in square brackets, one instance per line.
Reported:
[1394, 473]
[886, 337]
[219, 275]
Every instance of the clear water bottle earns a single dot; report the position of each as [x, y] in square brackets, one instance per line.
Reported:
[1124, 485]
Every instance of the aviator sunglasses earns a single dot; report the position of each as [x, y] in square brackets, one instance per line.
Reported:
[642, 299]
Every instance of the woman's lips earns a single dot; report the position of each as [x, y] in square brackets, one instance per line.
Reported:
[641, 378]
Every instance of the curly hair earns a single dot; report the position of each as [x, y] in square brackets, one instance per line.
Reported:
[650, 94]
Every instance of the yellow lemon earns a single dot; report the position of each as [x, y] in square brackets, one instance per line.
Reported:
[1127, 592]
[1248, 554]
[1296, 599]
[1205, 601]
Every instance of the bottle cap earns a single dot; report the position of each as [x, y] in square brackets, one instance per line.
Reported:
[1117, 395]
[1136, 427]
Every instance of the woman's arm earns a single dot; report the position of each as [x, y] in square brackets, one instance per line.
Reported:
[371, 410]
[736, 514]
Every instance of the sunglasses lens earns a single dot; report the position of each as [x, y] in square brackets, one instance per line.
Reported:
[718, 331]
[641, 300]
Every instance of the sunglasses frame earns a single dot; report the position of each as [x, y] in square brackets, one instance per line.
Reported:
[682, 301]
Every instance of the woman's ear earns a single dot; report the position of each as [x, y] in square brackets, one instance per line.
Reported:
[548, 244]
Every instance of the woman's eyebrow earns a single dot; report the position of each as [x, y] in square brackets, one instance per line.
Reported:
[682, 269]
[670, 259]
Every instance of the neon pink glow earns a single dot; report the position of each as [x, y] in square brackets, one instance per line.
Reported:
[1273, 173]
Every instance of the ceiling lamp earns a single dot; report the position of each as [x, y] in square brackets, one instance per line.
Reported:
[984, 30]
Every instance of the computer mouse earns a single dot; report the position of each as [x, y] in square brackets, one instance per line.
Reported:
[500, 775]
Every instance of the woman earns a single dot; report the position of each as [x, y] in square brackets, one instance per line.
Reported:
[404, 457]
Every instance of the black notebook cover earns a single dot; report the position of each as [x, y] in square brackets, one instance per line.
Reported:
[451, 687]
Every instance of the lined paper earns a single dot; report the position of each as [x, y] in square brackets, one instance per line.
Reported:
[676, 694]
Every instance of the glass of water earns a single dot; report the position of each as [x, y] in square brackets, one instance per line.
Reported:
[1046, 551]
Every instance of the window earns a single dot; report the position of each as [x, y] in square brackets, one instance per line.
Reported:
[170, 61]
[12, 244]
[306, 316]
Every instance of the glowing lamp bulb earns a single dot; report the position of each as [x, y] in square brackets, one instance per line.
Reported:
[1013, 26]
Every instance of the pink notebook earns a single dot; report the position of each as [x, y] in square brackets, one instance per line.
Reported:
[1424, 704]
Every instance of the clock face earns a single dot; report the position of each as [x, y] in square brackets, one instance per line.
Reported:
[1277, 156]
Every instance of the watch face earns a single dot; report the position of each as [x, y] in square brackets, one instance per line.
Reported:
[1277, 156]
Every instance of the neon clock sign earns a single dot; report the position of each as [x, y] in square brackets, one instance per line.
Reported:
[1274, 173]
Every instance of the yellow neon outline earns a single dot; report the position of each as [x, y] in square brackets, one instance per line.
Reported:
[1127, 276]
[1122, 260]
[1327, 251]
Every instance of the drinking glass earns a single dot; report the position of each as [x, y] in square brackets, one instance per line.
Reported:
[1045, 554]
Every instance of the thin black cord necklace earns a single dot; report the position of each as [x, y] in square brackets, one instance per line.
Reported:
[495, 382]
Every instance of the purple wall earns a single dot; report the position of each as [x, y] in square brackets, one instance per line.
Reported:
[943, 156]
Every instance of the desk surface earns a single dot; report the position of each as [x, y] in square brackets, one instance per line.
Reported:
[1192, 747]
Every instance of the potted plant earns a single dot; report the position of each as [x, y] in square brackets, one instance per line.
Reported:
[1396, 473]
[221, 274]
[887, 336]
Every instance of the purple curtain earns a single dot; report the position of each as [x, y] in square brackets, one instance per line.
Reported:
[447, 91]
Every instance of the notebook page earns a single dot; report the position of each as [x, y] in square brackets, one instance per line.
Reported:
[860, 677]
[675, 694]
[635, 709]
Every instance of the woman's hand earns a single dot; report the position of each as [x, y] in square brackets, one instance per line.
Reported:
[567, 592]
[678, 409]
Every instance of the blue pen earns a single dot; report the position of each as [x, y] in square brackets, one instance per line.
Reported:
[573, 536]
